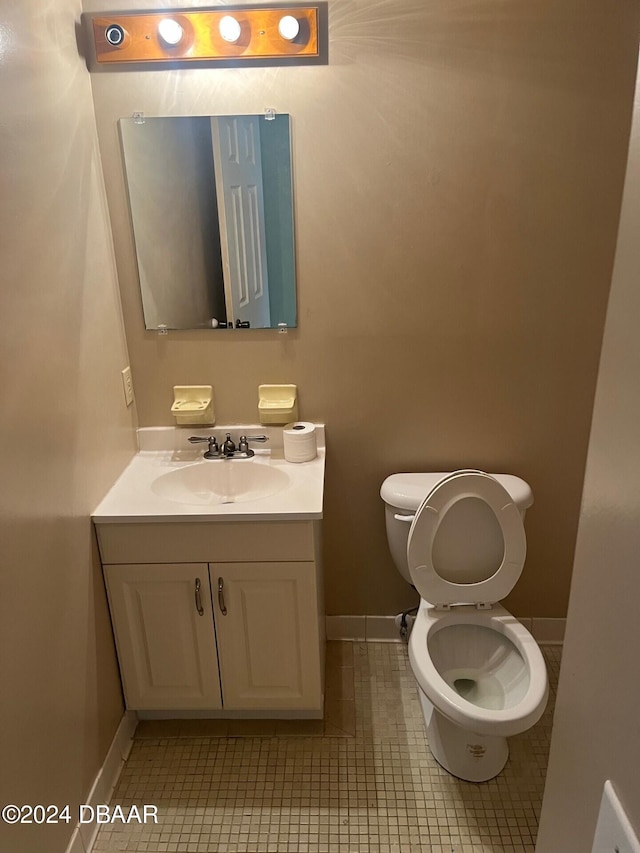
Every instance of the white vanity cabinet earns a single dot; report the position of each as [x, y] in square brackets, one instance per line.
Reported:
[221, 617]
[267, 628]
[163, 626]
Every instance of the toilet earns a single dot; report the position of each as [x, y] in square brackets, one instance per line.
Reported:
[459, 539]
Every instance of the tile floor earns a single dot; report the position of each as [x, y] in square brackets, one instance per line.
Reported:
[363, 781]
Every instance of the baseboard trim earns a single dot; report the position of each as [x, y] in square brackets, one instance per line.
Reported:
[84, 835]
[548, 631]
[382, 629]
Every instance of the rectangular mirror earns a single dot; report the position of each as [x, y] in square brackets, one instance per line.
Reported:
[212, 212]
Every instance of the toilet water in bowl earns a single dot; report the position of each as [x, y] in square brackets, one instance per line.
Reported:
[480, 665]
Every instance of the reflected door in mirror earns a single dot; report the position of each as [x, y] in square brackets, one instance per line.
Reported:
[238, 171]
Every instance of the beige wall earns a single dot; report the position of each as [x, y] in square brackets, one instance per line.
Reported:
[65, 433]
[458, 171]
[595, 733]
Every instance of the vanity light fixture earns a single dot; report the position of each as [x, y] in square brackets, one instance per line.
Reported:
[214, 37]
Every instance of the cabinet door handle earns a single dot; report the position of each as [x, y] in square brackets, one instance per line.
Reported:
[199, 606]
[221, 604]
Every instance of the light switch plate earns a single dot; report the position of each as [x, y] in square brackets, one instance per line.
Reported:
[127, 384]
[614, 833]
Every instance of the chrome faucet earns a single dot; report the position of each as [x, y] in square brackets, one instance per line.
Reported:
[228, 449]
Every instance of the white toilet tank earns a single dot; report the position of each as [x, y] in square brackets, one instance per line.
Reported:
[403, 494]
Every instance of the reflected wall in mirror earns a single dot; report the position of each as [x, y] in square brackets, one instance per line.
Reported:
[212, 213]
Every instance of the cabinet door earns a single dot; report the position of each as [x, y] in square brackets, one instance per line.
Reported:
[163, 625]
[268, 639]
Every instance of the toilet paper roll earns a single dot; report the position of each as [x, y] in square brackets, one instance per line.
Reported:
[300, 442]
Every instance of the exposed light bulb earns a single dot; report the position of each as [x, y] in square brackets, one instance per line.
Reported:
[170, 31]
[229, 28]
[289, 27]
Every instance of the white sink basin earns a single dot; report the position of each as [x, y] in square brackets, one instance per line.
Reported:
[168, 480]
[220, 482]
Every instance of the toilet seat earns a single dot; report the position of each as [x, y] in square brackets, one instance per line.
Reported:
[445, 588]
[504, 722]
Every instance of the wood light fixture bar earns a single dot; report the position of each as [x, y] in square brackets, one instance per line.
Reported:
[224, 36]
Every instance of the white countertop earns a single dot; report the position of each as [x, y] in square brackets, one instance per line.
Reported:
[132, 498]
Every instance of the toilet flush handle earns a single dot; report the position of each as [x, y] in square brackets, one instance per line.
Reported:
[407, 518]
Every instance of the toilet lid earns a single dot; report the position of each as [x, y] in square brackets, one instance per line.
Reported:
[466, 543]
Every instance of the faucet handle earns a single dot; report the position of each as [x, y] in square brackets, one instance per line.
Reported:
[243, 446]
[213, 449]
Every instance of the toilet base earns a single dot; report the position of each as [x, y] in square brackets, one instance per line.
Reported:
[464, 754]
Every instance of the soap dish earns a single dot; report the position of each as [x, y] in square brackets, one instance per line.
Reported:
[278, 404]
[193, 404]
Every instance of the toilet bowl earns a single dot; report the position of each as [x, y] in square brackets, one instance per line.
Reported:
[459, 539]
